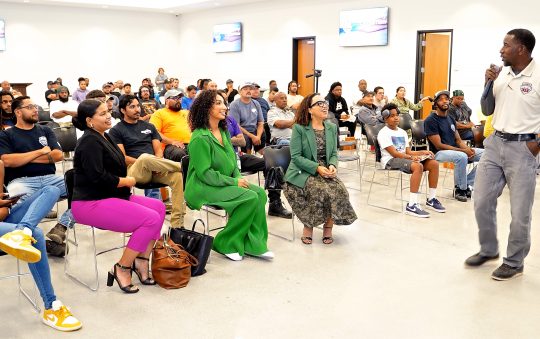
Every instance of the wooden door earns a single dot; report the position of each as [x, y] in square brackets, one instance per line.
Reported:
[435, 63]
[305, 65]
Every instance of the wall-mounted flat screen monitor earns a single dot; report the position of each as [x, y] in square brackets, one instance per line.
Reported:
[364, 27]
[227, 37]
[2, 35]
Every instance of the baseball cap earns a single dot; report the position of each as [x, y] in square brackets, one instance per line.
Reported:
[107, 84]
[245, 84]
[458, 93]
[254, 84]
[172, 93]
[439, 93]
[229, 81]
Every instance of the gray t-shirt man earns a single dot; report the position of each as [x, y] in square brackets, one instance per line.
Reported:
[247, 115]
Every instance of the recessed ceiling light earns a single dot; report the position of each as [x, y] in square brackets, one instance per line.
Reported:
[104, 6]
[26, 1]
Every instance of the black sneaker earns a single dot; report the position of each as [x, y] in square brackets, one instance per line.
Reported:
[277, 209]
[506, 272]
[468, 192]
[54, 249]
[460, 195]
[478, 259]
[57, 233]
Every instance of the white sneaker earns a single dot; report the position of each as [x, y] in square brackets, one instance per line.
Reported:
[59, 317]
[234, 256]
[269, 255]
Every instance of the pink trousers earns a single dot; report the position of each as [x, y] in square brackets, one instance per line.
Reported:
[141, 216]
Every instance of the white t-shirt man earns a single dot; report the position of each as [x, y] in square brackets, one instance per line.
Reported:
[388, 137]
[294, 99]
[275, 114]
[70, 105]
[58, 105]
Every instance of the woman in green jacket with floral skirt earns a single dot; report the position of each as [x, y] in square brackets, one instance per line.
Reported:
[214, 179]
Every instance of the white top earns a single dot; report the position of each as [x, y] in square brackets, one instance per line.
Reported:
[70, 105]
[517, 100]
[275, 114]
[294, 99]
[388, 137]
[57, 105]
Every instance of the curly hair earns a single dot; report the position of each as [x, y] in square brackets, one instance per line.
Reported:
[302, 113]
[200, 111]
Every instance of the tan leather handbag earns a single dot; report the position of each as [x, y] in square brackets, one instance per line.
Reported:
[171, 264]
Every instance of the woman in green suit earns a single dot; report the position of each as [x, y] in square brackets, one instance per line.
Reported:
[312, 188]
[214, 179]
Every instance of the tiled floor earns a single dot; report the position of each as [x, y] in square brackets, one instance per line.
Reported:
[386, 276]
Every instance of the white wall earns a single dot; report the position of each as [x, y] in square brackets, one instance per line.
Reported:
[479, 27]
[106, 45]
[46, 42]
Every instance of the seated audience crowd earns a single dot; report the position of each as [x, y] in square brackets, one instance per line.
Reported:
[129, 139]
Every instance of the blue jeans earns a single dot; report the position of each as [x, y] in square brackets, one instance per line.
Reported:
[28, 214]
[460, 160]
[152, 193]
[30, 185]
[283, 142]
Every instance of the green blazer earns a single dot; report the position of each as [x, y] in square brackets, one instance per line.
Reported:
[213, 171]
[304, 152]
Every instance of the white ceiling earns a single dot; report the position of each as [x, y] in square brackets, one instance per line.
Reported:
[160, 6]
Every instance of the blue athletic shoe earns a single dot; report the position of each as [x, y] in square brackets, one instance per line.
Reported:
[435, 205]
[416, 210]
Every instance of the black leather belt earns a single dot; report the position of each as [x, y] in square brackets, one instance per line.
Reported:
[515, 137]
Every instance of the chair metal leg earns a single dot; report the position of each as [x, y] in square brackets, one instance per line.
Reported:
[95, 286]
[384, 207]
[293, 237]
[33, 301]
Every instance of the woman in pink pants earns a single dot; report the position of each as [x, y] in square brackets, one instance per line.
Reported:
[102, 198]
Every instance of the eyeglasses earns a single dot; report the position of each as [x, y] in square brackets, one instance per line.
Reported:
[175, 98]
[320, 103]
[30, 106]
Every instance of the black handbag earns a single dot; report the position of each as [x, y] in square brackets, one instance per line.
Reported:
[274, 178]
[197, 244]
[277, 159]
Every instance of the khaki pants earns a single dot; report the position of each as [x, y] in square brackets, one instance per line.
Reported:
[149, 168]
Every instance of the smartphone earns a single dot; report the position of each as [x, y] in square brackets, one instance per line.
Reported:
[13, 197]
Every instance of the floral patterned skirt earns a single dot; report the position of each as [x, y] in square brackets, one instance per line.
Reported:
[319, 200]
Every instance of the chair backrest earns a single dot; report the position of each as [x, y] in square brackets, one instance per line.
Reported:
[277, 156]
[43, 115]
[185, 166]
[378, 154]
[67, 138]
[69, 180]
[417, 130]
[372, 132]
[478, 136]
[405, 121]
[51, 124]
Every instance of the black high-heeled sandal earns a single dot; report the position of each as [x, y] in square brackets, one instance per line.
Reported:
[147, 281]
[112, 276]
[327, 240]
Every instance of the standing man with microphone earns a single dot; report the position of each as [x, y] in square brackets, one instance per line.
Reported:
[512, 95]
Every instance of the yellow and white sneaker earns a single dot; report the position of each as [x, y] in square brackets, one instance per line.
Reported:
[18, 243]
[60, 318]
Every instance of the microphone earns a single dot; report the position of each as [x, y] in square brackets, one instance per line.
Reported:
[489, 83]
[487, 101]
